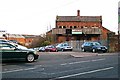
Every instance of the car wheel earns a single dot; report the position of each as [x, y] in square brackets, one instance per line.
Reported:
[62, 50]
[83, 50]
[30, 58]
[93, 50]
[56, 51]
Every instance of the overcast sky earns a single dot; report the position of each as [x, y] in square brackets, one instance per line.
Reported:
[37, 16]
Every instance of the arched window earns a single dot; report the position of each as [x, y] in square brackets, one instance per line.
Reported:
[60, 26]
[70, 26]
[64, 26]
[75, 26]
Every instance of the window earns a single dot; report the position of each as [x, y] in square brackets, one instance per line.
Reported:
[70, 26]
[65, 44]
[6, 46]
[75, 26]
[60, 26]
[97, 44]
[64, 26]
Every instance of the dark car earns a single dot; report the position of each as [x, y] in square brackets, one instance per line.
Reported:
[50, 48]
[11, 52]
[93, 47]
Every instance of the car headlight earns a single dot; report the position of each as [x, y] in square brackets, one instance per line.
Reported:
[106, 48]
[35, 52]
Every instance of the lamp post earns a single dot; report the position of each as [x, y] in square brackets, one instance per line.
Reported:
[118, 40]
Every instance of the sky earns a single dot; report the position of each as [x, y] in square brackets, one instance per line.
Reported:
[38, 16]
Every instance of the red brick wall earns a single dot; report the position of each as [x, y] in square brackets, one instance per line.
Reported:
[61, 39]
[20, 40]
[78, 24]
[104, 33]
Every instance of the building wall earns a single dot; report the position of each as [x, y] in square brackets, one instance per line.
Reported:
[104, 33]
[20, 40]
[78, 24]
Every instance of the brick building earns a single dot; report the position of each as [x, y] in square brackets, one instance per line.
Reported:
[78, 28]
[23, 39]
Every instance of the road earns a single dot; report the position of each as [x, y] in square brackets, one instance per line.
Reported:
[62, 65]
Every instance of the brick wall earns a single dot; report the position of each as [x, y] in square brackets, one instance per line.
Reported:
[78, 24]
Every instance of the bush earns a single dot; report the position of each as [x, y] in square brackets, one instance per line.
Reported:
[45, 43]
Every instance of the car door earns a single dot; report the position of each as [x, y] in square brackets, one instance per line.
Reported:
[7, 51]
[91, 46]
[86, 46]
[10, 52]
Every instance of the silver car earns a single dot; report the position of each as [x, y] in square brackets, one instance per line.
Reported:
[64, 47]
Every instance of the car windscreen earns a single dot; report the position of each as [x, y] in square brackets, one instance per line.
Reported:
[97, 44]
[66, 44]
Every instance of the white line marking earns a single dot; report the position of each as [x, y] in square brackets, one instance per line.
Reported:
[18, 70]
[83, 61]
[98, 59]
[21, 69]
[84, 73]
[63, 64]
[68, 70]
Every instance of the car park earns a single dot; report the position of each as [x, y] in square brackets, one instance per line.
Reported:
[11, 52]
[64, 47]
[93, 47]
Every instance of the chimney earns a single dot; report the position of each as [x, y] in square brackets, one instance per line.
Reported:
[78, 12]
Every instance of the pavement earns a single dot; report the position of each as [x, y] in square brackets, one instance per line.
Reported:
[82, 54]
[78, 54]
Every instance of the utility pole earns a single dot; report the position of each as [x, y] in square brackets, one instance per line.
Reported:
[108, 40]
[118, 41]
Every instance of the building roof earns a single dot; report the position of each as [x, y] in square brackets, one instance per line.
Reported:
[15, 35]
[79, 18]
[29, 36]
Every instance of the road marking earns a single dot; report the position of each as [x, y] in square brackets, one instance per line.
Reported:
[63, 64]
[22, 69]
[98, 59]
[98, 70]
[82, 62]
[67, 71]
[18, 70]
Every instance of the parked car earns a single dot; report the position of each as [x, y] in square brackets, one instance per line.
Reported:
[41, 49]
[13, 41]
[93, 47]
[7, 41]
[3, 40]
[64, 47]
[11, 52]
[50, 48]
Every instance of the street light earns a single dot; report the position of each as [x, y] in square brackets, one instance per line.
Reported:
[118, 40]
